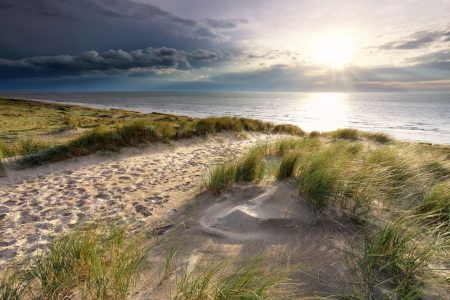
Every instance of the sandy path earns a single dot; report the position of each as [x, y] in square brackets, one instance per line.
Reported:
[143, 186]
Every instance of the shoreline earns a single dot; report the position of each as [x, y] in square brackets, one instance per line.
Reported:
[394, 132]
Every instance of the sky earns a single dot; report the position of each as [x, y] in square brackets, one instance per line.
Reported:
[239, 45]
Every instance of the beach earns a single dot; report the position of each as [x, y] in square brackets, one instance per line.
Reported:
[156, 206]
[141, 186]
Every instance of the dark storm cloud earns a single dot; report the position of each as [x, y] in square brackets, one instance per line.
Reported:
[109, 62]
[418, 39]
[53, 27]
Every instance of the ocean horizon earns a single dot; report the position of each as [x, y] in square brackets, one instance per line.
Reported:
[420, 116]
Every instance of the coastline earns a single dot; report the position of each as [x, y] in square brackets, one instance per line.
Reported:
[363, 111]
[224, 196]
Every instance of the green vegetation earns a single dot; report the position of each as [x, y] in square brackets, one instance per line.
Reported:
[105, 262]
[345, 133]
[43, 132]
[354, 134]
[435, 205]
[394, 257]
[288, 165]
[98, 262]
[249, 280]
[399, 192]
[249, 168]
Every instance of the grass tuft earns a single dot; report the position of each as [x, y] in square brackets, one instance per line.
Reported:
[345, 134]
[288, 165]
[249, 280]
[436, 205]
[318, 177]
[99, 263]
[12, 287]
[221, 177]
[288, 129]
[393, 258]
[249, 168]
[378, 137]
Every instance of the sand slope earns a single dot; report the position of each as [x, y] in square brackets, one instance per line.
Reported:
[272, 221]
[143, 186]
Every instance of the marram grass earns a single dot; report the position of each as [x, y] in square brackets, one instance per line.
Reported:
[250, 168]
[250, 280]
[399, 192]
[92, 261]
[132, 133]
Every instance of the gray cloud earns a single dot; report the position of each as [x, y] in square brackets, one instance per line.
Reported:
[51, 27]
[225, 24]
[418, 39]
[111, 62]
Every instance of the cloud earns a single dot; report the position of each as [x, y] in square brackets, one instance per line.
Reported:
[51, 27]
[225, 24]
[110, 62]
[441, 56]
[418, 39]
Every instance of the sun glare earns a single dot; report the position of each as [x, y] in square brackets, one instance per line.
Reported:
[334, 50]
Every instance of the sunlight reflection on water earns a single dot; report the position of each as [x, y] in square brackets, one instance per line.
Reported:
[327, 111]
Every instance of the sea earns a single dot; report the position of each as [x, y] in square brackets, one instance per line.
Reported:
[421, 117]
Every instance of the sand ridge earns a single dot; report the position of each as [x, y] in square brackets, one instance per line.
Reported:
[142, 186]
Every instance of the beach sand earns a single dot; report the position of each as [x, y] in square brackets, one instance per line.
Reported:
[143, 186]
[270, 221]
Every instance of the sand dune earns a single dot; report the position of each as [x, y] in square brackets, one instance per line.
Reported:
[273, 221]
[142, 186]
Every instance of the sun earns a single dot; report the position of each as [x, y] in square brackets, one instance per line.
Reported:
[333, 50]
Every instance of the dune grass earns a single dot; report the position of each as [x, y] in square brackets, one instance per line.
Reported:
[288, 165]
[249, 168]
[41, 132]
[354, 134]
[12, 287]
[249, 280]
[398, 192]
[96, 262]
[435, 205]
[345, 133]
[105, 262]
